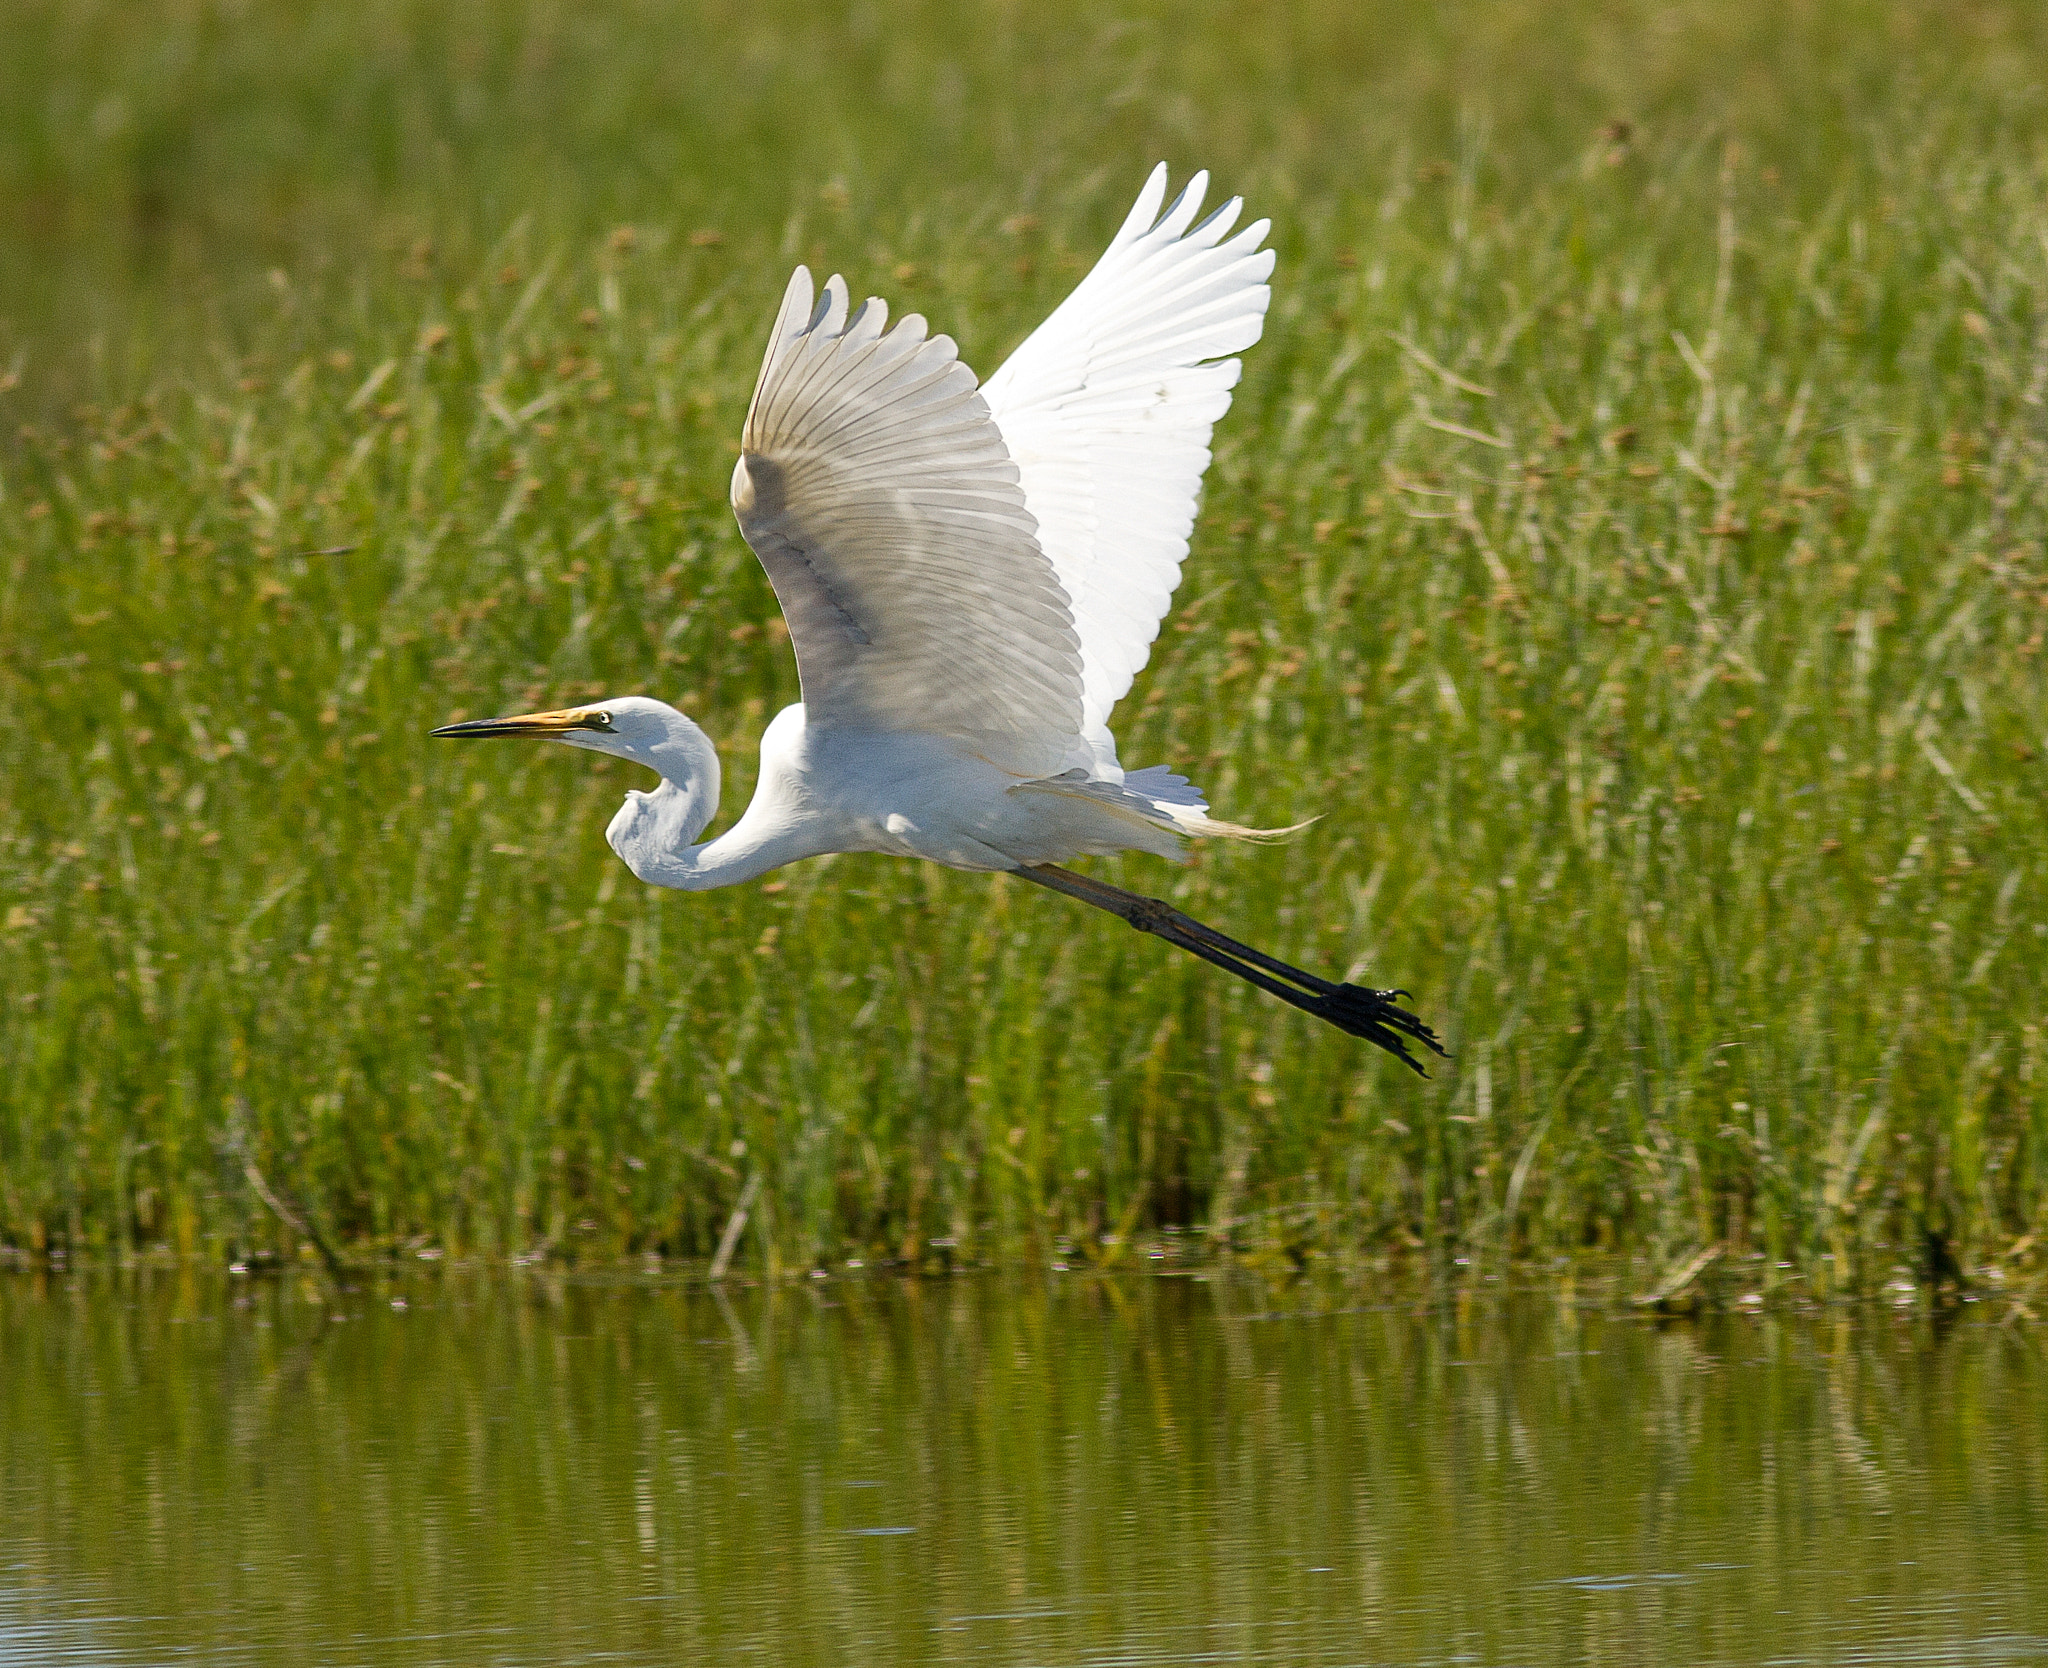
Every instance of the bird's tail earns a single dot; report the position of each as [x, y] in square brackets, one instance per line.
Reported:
[1179, 804]
[1169, 808]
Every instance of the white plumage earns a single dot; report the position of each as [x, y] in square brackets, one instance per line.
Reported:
[877, 493]
[883, 493]
[1106, 410]
[972, 577]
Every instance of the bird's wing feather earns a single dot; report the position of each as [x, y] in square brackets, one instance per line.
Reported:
[878, 494]
[1106, 410]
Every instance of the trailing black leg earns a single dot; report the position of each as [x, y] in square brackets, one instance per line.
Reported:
[1374, 1015]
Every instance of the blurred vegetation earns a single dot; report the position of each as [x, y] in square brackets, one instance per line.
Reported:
[1628, 538]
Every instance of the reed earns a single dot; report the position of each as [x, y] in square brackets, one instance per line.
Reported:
[1628, 539]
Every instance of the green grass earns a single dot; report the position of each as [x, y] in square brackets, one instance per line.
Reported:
[1630, 542]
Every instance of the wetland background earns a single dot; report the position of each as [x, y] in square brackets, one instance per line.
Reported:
[1628, 539]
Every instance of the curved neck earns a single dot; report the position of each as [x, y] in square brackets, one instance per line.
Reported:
[655, 832]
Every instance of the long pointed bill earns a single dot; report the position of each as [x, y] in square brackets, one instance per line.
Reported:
[531, 724]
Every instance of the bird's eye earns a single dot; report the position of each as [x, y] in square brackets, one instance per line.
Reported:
[604, 721]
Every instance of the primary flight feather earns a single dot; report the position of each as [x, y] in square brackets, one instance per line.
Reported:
[972, 576]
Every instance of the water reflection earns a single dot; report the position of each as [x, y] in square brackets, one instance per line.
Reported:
[984, 1471]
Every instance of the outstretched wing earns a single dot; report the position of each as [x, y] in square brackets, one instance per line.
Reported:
[1106, 410]
[877, 493]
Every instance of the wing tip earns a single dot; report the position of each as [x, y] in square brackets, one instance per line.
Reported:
[829, 317]
[1145, 210]
[1185, 207]
[797, 297]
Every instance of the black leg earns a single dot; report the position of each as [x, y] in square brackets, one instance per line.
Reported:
[1374, 1015]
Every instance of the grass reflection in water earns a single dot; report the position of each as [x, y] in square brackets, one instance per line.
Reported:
[994, 1472]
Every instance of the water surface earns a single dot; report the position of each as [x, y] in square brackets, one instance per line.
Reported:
[1001, 1472]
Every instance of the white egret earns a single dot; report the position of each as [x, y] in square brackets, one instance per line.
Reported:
[972, 576]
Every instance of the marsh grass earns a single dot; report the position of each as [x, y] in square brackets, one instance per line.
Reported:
[1628, 539]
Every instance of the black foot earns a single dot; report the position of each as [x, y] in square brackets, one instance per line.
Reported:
[1376, 1016]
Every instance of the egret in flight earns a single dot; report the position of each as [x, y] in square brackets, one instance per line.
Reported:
[972, 576]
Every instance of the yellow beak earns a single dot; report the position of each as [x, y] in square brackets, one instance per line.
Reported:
[532, 724]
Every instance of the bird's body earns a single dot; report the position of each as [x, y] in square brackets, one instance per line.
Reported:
[903, 793]
[972, 576]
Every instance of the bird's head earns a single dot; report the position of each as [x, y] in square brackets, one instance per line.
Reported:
[651, 830]
[635, 727]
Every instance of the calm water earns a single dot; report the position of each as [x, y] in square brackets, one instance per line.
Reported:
[986, 1471]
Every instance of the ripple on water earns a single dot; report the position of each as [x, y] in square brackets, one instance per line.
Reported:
[1094, 1474]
